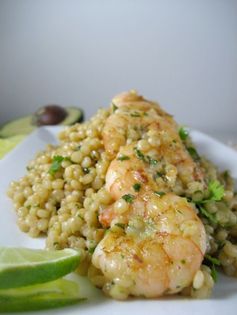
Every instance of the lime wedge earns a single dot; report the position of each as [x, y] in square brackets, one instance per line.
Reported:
[52, 294]
[22, 266]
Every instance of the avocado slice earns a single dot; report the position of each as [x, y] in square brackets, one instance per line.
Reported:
[74, 115]
[25, 125]
[8, 144]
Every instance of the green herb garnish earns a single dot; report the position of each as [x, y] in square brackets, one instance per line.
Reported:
[128, 198]
[159, 174]
[214, 273]
[216, 190]
[183, 133]
[210, 216]
[91, 249]
[144, 158]
[92, 246]
[212, 262]
[159, 193]
[139, 154]
[137, 187]
[114, 107]
[80, 216]
[193, 153]
[135, 114]
[120, 225]
[216, 193]
[123, 158]
[56, 164]
[152, 161]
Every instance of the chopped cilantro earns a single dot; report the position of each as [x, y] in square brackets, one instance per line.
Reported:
[123, 158]
[56, 164]
[120, 225]
[92, 246]
[135, 114]
[128, 198]
[137, 187]
[216, 190]
[80, 216]
[214, 273]
[145, 158]
[159, 174]
[212, 260]
[114, 107]
[216, 193]
[151, 161]
[193, 153]
[183, 133]
[159, 193]
[210, 216]
[139, 154]
[91, 249]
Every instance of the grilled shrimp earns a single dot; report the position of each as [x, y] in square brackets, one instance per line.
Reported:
[126, 99]
[156, 250]
[149, 137]
[156, 241]
[130, 120]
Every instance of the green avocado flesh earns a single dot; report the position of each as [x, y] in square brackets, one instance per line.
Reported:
[24, 125]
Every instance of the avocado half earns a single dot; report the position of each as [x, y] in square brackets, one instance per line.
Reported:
[25, 125]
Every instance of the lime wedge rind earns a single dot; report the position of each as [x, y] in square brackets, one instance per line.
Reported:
[52, 294]
[36, 304]
[19, 255]
[40, 302]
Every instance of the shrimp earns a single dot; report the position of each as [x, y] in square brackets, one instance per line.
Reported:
[156, 241]
[158, 252]
[127, 99]
[131, 119]
[129, 125]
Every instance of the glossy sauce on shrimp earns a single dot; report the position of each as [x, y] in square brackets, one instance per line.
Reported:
[156, 241]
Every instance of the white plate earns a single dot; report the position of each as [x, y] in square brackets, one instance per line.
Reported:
[224, 299]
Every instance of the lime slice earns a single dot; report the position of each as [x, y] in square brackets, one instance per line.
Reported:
[22, 266]
[52, 294]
